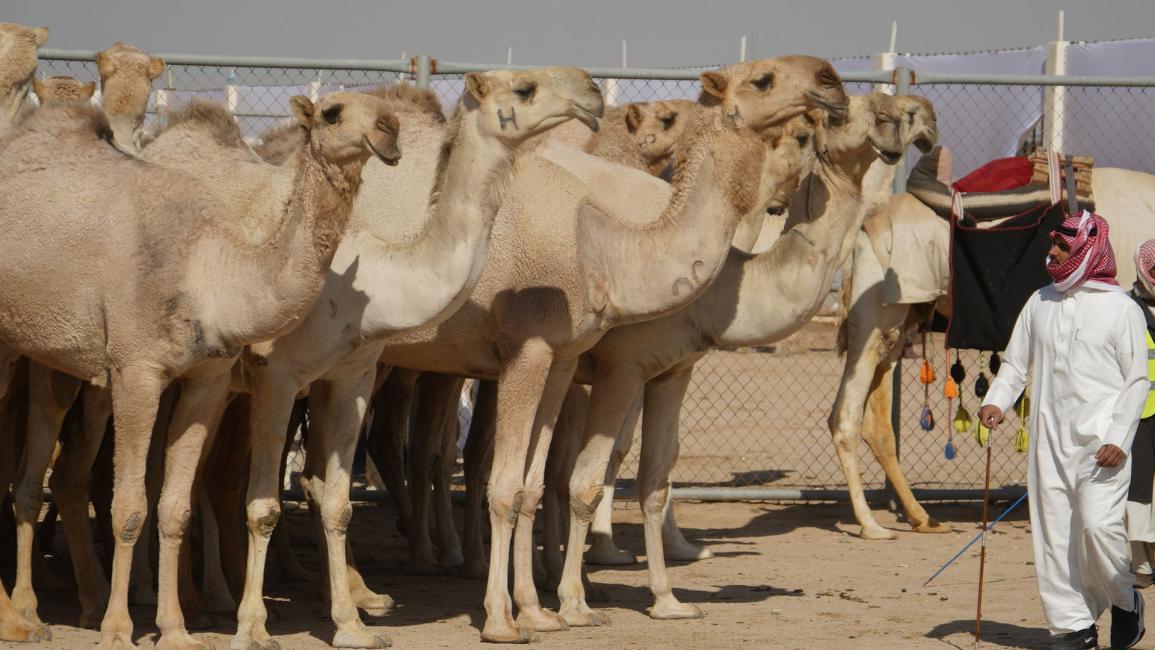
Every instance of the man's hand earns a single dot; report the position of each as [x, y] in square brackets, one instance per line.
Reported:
[1110, 456]
[990, 415]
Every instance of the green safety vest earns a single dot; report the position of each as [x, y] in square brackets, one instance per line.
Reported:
[1149, 407]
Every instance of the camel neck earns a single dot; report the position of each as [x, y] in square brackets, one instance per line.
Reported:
[11, 104]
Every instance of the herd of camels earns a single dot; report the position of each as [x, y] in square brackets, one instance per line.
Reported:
[178, 283]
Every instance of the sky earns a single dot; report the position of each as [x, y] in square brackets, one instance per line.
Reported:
[659, 33]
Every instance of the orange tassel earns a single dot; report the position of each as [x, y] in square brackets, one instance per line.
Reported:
[950, 389]
[926, 373]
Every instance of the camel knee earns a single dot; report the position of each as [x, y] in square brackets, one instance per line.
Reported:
[263, 517]
[128, 522]
[505, 503]
[335, 514]
[584, 499]
[172, 518]
[654, 502]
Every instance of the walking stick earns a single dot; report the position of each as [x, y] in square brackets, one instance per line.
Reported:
[983, 548]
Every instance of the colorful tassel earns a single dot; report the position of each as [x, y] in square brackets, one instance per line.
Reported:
[982, 385]
[957, 372]
[926, 419]
[962, 420]
[926, 374]
[996, 363]
[949, 450]
[982, 434]
[950, 389]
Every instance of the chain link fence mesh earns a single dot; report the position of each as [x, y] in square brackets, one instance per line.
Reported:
[758, 417]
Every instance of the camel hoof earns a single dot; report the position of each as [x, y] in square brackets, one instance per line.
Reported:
[541, 620]
[22, 631]
[375, 605]
[359, 637]
[876, 532]
[181, 641]
[121, 641]
[672, 609]
[451, 558]
[931, 526]
[609, 556]
[506, 632]
[583, 616]
[475, 570]
[248, 643]
[687, 552]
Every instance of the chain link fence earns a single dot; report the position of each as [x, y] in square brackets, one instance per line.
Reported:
[757, 418]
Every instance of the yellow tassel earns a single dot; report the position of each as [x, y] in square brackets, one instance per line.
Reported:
[962, 420]
[982, 434]
[1022, 443]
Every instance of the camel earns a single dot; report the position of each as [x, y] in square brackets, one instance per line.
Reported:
[59, 89]
[873, 333]
[384, 281]
[609, 246]
[18, 45]
[126, 76]
[642, 136]
[143, 317]
[756, 299]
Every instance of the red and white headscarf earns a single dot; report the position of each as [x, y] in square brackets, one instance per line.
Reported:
[1091, 259]
[1144, 281]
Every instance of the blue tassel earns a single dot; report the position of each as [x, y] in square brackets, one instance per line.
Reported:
[926, 419]
[949, 450]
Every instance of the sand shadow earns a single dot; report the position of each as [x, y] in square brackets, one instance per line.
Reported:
[1007, 635]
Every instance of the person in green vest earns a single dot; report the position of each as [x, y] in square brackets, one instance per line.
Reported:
[1140, 518]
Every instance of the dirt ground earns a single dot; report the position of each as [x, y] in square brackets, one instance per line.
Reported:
[792, 576]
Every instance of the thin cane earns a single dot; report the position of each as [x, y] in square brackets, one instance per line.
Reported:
[983, 551]
[974, 539]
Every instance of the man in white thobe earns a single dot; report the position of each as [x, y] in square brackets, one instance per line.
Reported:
[1083, 340]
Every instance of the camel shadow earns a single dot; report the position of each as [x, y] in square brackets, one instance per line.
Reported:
[1006, 635]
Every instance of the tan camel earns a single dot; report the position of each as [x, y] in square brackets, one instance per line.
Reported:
[143, 316]
[642, 136]
[126, 76]
[384, 280]
[571, 268]
[874, 332]
[756, 299]
[60, 89]
[18, 45]
[876, 186]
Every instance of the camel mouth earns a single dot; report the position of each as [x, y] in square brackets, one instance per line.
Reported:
[838, 109]
[388, 160]
[924, 143]
[587, 117]
[776, 210]
[888, 157]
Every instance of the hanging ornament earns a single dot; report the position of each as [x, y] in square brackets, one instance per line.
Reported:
[996, 363]
[926, 373]
[949, 450]
[962, 420]
[982, 385]
[926, 419]
[950, 389]
[957, 372]
[982, 434]
[1022, 441]
[1023, 404]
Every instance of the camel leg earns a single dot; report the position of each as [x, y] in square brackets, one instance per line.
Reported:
[144, 583]
[531, 615]
[69, 483]
[602, 550]
[217, 597]
[478, 461]
[290, 567]
[387, 436]
[879, 436]
[272, 408]
[340, 423]
[611, 399]
[562, 454]
[448, 542]
[135, 398]
[437, 396]
[50, 394]
[663, 405]
[677, 547]
[197, 413]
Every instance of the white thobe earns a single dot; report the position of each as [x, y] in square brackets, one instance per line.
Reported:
[1087, 353]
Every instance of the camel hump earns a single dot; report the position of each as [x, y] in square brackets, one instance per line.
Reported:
[71, 118]
[208, 117]
[403, 97]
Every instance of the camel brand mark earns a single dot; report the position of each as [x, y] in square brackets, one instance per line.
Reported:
[691, 281]
[503, 120]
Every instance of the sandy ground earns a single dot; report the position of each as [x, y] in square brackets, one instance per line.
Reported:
[784, 577]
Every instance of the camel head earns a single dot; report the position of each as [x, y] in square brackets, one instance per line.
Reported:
[126, 76]
[761, 94]
[791, 156]
[657, 126]
[345, 129]
[61, 89]
[18, 45]
[919, 125]
[871, 128]
[513, 105]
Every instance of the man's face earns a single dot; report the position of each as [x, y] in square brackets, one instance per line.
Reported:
[1059, 251]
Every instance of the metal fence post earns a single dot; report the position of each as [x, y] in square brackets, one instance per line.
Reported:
[902, 81]
[424, 69]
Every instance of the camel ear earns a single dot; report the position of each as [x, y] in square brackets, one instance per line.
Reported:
[88, 90]
[41, 35]
[104, 65]
[477, 85]
[633, 118]
[38, 88]
[715, 83]
[155, 67]
[302, 110]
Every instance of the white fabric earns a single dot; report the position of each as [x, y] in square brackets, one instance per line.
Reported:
[1140, 523]
[1086, 350]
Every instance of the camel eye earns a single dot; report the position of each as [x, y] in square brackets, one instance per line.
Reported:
[667, 122]
[763, 82]
[525, 92]
[802, 139]
[332, 114]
